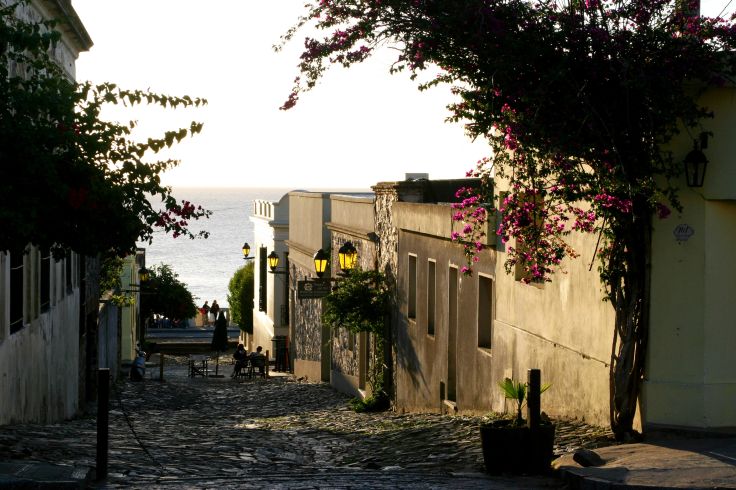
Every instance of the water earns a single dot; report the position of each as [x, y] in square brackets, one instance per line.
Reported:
[206, 266]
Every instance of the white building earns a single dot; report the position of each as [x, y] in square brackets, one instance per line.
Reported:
[271, 303]
[44, 362]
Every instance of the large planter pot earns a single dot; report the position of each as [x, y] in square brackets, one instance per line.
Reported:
[509, 449]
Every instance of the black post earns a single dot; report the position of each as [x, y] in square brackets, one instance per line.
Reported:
[103, 398]
[533, 403]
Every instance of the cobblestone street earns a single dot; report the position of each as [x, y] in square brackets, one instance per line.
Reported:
[278, 433]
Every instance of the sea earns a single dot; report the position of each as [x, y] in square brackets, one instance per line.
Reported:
[206, 265]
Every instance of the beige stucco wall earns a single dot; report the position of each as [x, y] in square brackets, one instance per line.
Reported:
[691, 371]
[563, 328]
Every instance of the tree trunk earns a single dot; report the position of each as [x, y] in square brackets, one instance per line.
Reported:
[628, 286]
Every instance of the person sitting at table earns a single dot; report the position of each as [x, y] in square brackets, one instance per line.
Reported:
[241, 360]
[258, 359]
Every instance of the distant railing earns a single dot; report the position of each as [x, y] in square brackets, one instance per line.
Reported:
[196, 321]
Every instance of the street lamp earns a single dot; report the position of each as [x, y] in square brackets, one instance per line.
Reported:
[320, 262]
[246, 252]
[348, 257]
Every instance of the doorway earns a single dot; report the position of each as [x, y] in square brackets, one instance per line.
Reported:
[452, 291]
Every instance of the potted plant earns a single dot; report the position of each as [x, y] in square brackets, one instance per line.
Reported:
[510, 444]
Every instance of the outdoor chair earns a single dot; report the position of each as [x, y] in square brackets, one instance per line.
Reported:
[244, 371]
[257, 367]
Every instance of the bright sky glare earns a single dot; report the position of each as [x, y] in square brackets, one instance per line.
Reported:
[358, 127]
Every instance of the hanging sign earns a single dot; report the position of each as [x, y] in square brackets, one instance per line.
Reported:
[312, 289]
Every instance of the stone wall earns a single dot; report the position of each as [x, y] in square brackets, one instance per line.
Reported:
[306, 322]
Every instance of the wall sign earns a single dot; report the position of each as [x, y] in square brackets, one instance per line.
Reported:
[683, 232]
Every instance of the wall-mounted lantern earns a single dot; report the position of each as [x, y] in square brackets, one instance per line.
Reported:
[246, 252]
[273, 263]
[348, 257]
[696, 162]
[143, 275]
[320, 262]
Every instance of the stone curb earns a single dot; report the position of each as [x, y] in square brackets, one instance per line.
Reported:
[43, 475]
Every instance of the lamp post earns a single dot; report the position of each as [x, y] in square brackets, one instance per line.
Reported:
[696, 162]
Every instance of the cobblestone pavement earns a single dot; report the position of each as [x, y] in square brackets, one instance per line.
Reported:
[277, 433]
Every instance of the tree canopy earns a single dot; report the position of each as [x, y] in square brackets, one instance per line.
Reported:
[578, 99]
[68, 178]
[164, 294]
[240, 297]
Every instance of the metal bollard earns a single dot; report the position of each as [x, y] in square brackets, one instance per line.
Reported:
[533, 401]
[103, 398]
[161, 367]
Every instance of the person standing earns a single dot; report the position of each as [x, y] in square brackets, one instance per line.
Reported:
[205, 311]
[214, 309]
[219, 339]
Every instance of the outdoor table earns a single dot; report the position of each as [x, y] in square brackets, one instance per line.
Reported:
[198, 365]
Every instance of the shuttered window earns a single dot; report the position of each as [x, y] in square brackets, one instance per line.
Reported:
[262, 279]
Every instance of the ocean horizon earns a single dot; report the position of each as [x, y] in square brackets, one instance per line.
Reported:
[206, 265]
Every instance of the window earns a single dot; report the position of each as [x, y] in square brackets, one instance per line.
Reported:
[431, 296]
[45, 279]
[485, 311]
[16, 291]
[412, 300]
[262, 279]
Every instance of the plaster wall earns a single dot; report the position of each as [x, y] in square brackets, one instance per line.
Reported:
[308, 213]
[691, 371]
[39, 377]
[355, 212]
[690, 379]
[562, 328]
[720, 179]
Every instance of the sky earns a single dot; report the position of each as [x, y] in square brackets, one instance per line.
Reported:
[357, 127]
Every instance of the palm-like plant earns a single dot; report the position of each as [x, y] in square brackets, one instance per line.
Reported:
[517, 390]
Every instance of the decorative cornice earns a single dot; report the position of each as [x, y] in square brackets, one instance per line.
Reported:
[361, 233]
